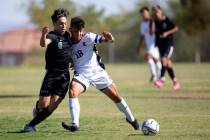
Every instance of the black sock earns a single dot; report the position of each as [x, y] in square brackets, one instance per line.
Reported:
[171, 73]
[163, 69]
[42, 115]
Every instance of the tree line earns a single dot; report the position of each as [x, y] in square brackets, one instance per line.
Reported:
[192, 42]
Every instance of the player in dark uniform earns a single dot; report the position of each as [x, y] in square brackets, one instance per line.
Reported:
[56, 81]
[164, 29]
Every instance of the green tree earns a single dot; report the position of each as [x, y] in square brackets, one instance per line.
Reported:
[196, 17]
[193, 17]
[40, 11]
[94, 18]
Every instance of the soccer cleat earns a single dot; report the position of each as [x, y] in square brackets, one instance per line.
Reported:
[28, 128]
[176, 85]
[134, 124]
[159, 83]
[71, 127]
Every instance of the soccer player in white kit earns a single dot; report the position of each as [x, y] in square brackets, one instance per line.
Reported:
[147, 33]
[88, 70]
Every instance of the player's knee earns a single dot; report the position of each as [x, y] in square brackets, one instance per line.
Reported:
[43, 104]
[73, 93]
[164, 62]
[148, 57]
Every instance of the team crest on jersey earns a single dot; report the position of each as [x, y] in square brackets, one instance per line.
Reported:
[60, 45]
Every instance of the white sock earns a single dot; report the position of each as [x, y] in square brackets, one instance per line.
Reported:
[74, 109]
[123, 107]
[152, 67]
[158, 69]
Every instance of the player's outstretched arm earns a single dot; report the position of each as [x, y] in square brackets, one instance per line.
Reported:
[44, 41]
[108, 37]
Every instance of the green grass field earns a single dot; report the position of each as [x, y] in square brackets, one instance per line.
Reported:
[182, 114]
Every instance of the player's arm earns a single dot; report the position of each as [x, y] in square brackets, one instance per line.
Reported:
[152, 27]
[44, 41]
[107, 37]
[167, 33]
[173, 29]
[140, 44]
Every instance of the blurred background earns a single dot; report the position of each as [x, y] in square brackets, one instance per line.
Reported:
[21, 22]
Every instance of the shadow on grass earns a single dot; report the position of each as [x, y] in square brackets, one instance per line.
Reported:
[17, 132]
[22, 131]
[133, 135]
[17, 96]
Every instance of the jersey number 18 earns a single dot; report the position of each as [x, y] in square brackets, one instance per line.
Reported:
[79, 54]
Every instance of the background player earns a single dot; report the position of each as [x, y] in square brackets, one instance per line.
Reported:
[56, 81]
[88, 70]
[164, 29]
[147, 33]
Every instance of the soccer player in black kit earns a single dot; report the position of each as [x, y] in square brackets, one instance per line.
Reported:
[164, 29]
[56, 81]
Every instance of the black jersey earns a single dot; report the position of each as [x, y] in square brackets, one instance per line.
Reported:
[161, 27]
[57, 55]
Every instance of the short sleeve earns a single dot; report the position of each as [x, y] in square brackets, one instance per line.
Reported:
[95, 38]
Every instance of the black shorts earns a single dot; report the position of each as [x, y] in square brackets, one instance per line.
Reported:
[166, 51]
[55, 83]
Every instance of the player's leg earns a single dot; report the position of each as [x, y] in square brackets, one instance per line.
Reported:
[156, 58]
[52, 92]
[113, 94]
[152, 68]
[40, 107]
[164, 67]
[160, 82]
[42, 103]
[158, 67]
[75, 89]
[176, 84]
[164, 60]
[47, 111]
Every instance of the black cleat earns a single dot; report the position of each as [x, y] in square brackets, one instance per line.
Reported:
[28, 128]
[134, 124]
[70, 127]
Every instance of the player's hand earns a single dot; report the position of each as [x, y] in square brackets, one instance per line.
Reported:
[45, 30]
[164, 35]
[108, 36]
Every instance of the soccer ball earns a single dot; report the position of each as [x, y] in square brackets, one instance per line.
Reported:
[150, 127]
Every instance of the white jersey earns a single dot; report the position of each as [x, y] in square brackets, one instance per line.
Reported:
[83, 54]
[145, 31]
[86, 66]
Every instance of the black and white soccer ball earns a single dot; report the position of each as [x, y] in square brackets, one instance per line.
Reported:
[150, 127]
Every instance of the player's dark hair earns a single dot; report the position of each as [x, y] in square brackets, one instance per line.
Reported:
[144, 9]
[77, 22]
[158, 7]
[58, 13]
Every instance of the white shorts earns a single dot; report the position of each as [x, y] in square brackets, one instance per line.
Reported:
[170, 52]
[96, 77]
[154, 51]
